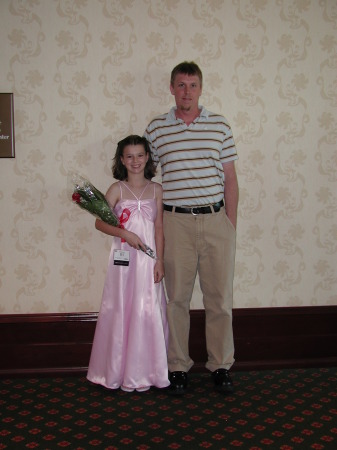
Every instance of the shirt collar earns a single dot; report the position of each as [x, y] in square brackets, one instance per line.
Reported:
[172, 113]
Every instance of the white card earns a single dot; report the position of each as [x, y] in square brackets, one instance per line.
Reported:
[121, 257]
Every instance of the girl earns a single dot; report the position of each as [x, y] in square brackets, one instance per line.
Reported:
[129, 348]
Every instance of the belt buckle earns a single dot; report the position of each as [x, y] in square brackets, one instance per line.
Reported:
[194, 213]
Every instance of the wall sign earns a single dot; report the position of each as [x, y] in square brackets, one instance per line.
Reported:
[7, 147]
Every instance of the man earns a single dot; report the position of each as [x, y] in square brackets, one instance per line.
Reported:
[196, 151]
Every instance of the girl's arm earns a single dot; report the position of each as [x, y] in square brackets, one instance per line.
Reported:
[131, 238]
[159, 236]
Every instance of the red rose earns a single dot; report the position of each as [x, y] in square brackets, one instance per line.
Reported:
[76, 197]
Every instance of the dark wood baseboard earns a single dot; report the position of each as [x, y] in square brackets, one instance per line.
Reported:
[265, 338]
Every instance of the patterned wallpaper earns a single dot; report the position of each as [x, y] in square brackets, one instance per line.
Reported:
[85, 73]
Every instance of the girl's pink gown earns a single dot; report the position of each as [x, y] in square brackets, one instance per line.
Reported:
[130, 342]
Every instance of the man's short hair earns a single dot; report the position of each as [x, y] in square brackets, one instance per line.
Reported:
[188, 68]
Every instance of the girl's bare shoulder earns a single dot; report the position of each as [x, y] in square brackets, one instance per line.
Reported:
[113, 193]
[114, 187]
[158, 187]
[158, 191]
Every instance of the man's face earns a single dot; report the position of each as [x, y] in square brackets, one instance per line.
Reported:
[186, 90]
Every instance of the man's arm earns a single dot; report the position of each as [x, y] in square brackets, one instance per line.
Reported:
[231, 191]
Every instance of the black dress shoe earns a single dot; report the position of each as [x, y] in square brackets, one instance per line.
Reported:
[222, 381]
[178, 384]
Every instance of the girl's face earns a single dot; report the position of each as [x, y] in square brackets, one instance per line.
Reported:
[134, 158]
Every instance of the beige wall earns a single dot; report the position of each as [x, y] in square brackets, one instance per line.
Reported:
[85, 73]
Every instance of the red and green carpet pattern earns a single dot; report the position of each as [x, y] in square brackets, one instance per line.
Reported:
[278, 409]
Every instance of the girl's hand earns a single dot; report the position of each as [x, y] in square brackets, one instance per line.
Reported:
[133, 240]
[159, 271]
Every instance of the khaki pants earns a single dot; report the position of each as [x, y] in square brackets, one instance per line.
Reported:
[204, 243]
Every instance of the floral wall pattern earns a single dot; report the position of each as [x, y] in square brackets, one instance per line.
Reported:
[85, 73]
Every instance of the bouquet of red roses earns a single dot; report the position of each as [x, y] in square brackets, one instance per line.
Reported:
[88, 197]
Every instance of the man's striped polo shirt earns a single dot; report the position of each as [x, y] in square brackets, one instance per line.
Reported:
[191, 157]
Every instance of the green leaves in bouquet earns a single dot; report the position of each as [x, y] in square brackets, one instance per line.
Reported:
[89, 198]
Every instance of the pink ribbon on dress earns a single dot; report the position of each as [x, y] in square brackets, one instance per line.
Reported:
[123, 218]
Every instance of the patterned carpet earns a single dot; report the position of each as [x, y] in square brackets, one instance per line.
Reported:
[280, 409]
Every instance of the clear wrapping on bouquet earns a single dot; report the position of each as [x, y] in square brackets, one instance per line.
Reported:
[88, 197]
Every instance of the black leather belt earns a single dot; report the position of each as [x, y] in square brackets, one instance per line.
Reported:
[196, 210]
